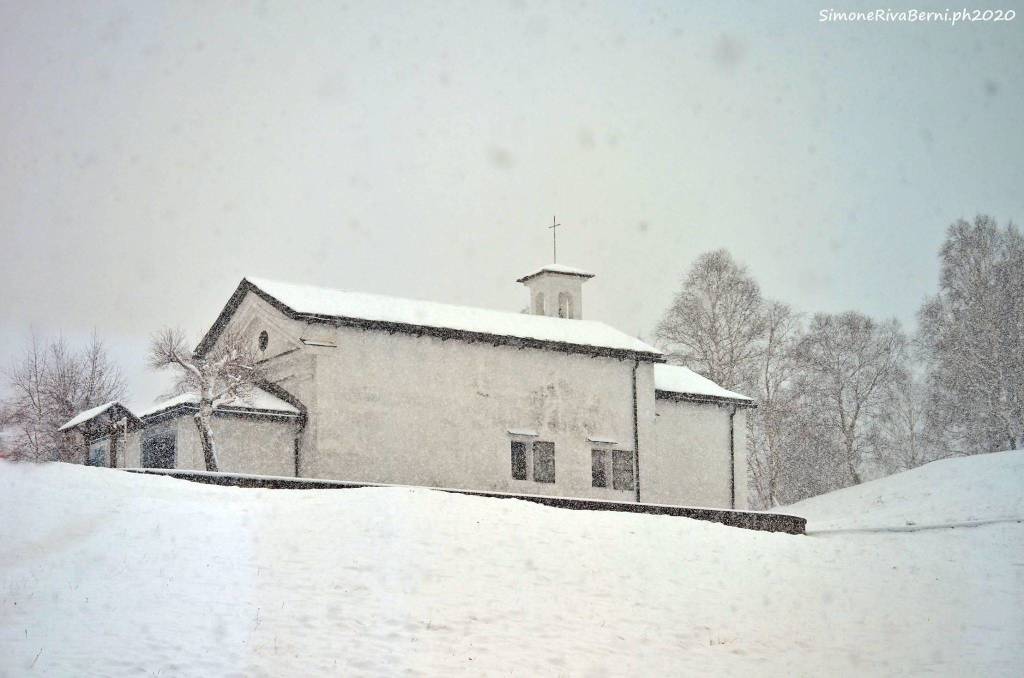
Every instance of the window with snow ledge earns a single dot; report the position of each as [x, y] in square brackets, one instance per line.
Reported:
[622, 470]
[519, 465]
[543, 462]
[599, 468]
[538, 458]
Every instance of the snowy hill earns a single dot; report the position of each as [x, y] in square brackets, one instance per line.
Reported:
[961, 491]
[107, 573]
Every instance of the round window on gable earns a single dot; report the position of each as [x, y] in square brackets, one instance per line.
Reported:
[264, 340]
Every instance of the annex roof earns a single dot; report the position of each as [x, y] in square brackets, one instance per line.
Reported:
[258, 401]
[557, 268]
[88, 415]
[372, 311]
[682, 381]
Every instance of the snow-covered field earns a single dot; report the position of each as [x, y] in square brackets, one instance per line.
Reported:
[108, 573]
[950, 493]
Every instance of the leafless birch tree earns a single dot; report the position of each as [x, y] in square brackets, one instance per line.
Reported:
[771, 423]
[846, 363]
[972, 338]
[900, 438]
[716, 321]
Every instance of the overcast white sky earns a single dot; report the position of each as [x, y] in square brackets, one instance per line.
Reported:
[154, 154]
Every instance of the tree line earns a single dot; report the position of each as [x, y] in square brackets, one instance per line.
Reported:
[843, 397]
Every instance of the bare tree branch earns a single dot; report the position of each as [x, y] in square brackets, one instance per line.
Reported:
[225, 374]
[49, 384]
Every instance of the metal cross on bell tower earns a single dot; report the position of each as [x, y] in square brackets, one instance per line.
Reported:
[554, 239]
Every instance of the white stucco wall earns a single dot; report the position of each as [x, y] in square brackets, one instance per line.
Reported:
[419, 410]
[296, 372]
[131, 457]
[287, 359]
[692, 466]
[742, 459]
[244, 445]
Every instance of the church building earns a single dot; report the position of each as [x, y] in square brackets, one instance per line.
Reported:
[385, 390]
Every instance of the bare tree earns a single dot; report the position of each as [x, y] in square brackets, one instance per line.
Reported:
[771, 429]
[716, 321]
[226, 373]
[813, 457]
[972, 339]
[900, 439]
[846, 363]
[49, 384]
[6, 422]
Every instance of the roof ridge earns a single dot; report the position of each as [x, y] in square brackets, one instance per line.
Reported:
[445, 304]
[417, 316]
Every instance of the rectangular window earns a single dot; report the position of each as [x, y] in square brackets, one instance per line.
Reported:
[518, 460]
[599, 468]
[158, 450]
[622, 469]
[543, 462]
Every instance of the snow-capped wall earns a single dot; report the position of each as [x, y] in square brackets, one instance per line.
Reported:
[693, 461]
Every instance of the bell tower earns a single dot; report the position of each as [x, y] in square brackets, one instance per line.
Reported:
[556, 291]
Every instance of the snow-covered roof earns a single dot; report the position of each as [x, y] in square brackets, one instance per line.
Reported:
[258, 400]
[557, 268]
[683, 380]
[86, 415]
[321, 303]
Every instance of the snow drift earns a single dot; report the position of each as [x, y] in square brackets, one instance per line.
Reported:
[107, 573]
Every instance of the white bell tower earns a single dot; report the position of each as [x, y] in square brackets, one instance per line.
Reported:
[557, 291]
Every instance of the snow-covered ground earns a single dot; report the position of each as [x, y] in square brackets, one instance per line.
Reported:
[949, 493]
[108, 573]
